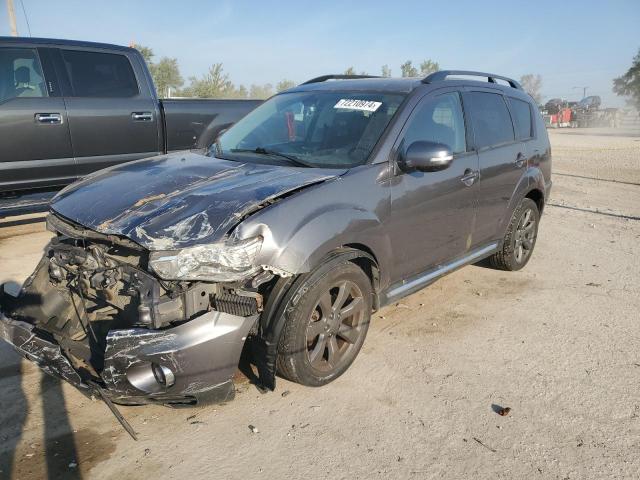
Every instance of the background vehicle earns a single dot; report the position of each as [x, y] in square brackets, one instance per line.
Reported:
[326, 202]
[69, 108]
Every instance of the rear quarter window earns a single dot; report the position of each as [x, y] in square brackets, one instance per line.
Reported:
[521, 111]
[100, 75]
[491, 120]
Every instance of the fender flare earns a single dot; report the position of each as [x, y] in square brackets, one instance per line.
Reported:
[315, 237]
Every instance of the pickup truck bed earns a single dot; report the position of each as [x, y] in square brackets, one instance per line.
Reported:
[69, 108]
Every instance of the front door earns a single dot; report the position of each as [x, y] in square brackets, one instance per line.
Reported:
[111, 118]
[35, 149]
[432, 213]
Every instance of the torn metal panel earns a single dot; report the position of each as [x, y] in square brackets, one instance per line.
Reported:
[46, 354]
[178, 200]
[201, 355]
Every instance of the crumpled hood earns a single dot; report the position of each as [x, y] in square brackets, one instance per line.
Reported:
[178, 200]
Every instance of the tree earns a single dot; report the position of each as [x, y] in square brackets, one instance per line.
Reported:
[166, 75]
[428, 66]
[532, 84]
[628, 85]
[285, 84]
[408, 70]
[146, 53]
[350, 71]
[261, 91]
[214, 84]
[386, 71]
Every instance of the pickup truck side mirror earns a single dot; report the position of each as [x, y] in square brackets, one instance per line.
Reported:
[426, 157]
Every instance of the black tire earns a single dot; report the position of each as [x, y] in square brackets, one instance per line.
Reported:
[520, 239]
[307, 351]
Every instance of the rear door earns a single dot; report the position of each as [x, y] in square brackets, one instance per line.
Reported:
[113, 115]
[502, 160]
[35, 149]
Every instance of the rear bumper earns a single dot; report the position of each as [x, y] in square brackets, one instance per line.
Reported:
[199, 358]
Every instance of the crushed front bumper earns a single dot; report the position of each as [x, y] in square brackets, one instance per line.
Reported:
[187, 364]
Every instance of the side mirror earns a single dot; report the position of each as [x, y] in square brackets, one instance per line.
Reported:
[426, 157]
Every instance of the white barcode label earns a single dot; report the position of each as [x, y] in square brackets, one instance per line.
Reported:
[353, 104]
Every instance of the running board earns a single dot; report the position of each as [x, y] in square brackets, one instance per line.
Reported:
[422, 280]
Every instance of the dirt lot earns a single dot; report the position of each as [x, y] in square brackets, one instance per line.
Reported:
[557, 343]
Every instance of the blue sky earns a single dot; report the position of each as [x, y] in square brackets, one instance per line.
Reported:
[570, 43]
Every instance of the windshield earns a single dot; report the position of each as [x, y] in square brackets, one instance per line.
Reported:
[313, 129]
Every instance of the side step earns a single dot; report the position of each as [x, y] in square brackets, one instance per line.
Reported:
[28, 202]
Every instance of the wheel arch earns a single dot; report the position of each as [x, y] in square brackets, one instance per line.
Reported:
[281, 291]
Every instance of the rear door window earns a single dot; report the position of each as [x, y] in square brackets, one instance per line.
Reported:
[491, 120]
[102, 75]
[20, 74]
[522, 117]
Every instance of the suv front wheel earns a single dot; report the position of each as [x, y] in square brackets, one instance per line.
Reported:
[520, 239]
[326, 323]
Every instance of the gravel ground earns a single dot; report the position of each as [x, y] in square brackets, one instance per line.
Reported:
[557, 343]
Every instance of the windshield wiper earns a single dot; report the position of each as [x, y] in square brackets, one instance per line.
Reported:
[273, 153]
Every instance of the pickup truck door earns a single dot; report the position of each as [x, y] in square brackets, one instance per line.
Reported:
[433, 213]
[113, 112]
[35, 149]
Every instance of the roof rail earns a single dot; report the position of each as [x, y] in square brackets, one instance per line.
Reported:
[324, 78]
[443, 74]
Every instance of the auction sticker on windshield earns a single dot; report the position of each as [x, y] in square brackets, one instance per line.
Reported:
[353, 104]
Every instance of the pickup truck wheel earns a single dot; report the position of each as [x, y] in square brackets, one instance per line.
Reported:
[326, 326]
[520, 238]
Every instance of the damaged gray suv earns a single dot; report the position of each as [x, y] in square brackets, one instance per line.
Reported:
[325, 203]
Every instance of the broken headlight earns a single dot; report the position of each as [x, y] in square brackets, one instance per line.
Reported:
[219, 262]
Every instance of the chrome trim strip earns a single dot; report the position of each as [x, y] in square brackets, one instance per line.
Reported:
[441, 271]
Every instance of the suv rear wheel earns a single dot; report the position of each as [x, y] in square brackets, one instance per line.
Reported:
[327, 322]
[520, 238]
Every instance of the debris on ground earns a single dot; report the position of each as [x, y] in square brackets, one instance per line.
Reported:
[285, 393]
[254, 429]
[503, 412]
[73, 465]
[485, 445]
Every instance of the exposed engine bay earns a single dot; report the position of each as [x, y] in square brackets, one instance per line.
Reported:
[96, 300]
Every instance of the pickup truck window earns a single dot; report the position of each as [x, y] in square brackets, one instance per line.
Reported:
[20, 74]
[438, 120]
[491, 120]
[522, 117]
[317, 129]
[104, 75]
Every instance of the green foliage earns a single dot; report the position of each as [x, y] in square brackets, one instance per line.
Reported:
[261, 91]
[532, 84]
[628, 85]
[408, 70]
[285, 84]
[146, 53]
[214, 84]
[386, 71]
[350, 71]
[166, 75]
[428, 66]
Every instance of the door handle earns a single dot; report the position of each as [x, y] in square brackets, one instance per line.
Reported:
[142, 116]
[469, 177]
[48, 118]
[520, 160]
